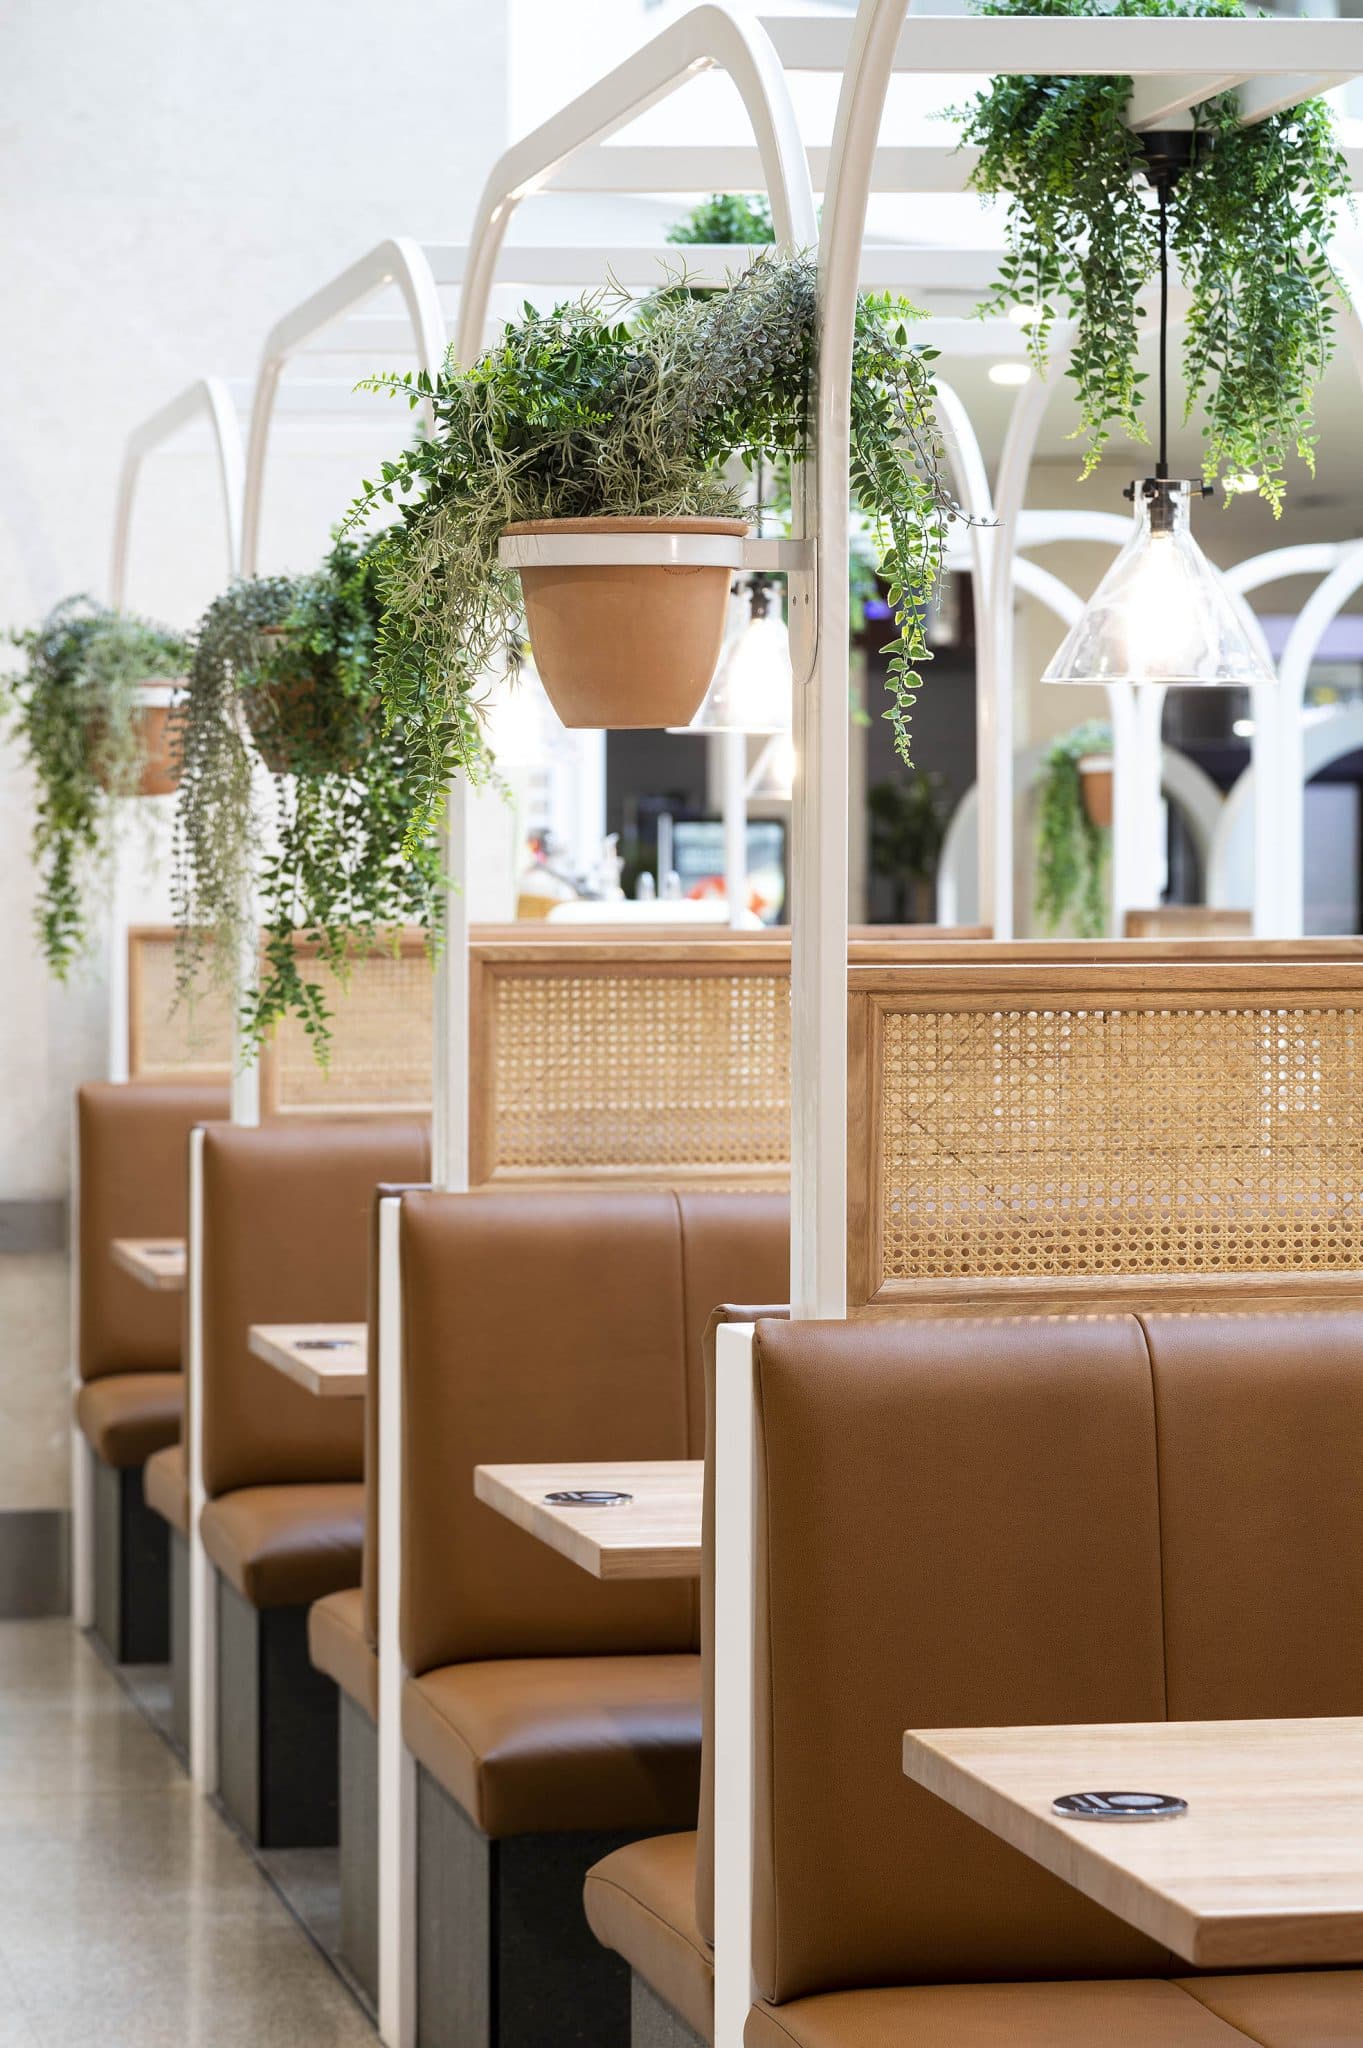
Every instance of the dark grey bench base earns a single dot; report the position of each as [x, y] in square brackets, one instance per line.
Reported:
[277, 1727]
[132, 1570]
[360, 1847]
[505, 1958]
[179, 1642]
[655, 2025]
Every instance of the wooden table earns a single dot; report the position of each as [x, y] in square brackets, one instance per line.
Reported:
[655, 1535]
[158, 1262]
[330, 1359]
[1265, 1868]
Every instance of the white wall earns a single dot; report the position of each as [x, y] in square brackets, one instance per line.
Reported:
[173, 176]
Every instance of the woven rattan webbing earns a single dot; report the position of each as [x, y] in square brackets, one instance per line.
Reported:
[165, 1038]
[639, 1069]
[1120, 1141]
[381, 1040]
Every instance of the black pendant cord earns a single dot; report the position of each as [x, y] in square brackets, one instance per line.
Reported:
[1162, 466]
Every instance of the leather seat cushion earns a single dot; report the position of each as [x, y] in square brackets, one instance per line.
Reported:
[131, 1414]
[540, 1745]
[165, 1486]
[641, 1902]
[1289, 2008]
[337, 1645]
[286, 1546]
[1128, 2012]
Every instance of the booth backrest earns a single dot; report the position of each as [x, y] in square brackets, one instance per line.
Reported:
[550, 1327]
[286, 1240]
[1028, 1127]
[979, 1523]
[133, 1141]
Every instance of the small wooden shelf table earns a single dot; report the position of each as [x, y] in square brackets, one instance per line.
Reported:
[654, 1535]
[329, 1359]
[1264, 1870]
[158, 1262]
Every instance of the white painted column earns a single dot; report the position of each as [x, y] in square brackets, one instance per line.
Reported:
[736, 1482]
[203, 1584]
[397, 1771]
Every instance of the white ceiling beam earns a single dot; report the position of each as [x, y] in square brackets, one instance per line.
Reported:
[707, 167]
[1165, 102]
[1260, 97]
[889, 267]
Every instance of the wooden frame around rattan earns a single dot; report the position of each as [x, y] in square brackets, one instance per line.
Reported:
[169, 1041]
[1052, 1128]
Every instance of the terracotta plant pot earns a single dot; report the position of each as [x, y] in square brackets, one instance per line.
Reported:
[286, 724]
[155, 739]
[621, 647]
[1095, 780]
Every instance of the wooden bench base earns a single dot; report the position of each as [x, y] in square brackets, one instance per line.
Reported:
[132, 1569]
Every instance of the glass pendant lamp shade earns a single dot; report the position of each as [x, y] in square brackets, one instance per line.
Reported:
[1162, 613]
[751, 691]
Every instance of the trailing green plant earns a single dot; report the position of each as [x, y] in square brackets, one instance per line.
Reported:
[1072, 852]
[75, 707]
[314, 850]
[726, 217]
[908, 822]
[1250, 224]
[599, 408]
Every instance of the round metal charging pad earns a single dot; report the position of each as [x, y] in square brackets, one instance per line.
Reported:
[1119, 1806]
[586, 1497]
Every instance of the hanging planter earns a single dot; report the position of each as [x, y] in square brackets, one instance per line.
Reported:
[300, 723]
[94, 731]
[1095, 783]
[625, 645]
[604, 416]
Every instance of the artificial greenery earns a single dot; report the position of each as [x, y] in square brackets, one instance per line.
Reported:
[1250, 225]
[726, 217]
[1072, 852]
[290, 661]
[908, 821]
[596, 408]
[75, 706]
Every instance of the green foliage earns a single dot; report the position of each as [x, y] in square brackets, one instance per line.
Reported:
[583, 411]
[318, 850]
[1250, 225]
[74, 706]
[726, 217]
[908, 821]
[1072, 852]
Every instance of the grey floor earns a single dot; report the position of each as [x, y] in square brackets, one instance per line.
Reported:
[130, 1915]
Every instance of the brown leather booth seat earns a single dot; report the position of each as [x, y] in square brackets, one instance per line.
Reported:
[129, 1416]
[547, 1328]
[338, 1645]
[165, 1486]
[977, 1522]
[132, 1139]
[286, 1231]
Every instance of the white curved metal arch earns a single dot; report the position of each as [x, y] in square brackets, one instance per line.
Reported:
[211, 397]
[1232, 866]
[401, 262]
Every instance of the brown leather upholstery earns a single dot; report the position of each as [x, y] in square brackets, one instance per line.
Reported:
[369, 1577]
[1294, 2009]
[1133, 2014]
[133, 1182]
[337, 1645]
[284, 1546]
[286, 1234]
[553, 1327]
[128, 1415]
[640, 1902]
[165, 1486]
[544, 1745]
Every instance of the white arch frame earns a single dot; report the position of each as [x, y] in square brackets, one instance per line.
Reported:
[211, 397]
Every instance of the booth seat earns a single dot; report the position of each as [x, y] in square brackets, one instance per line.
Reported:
[285, 1239]
[979, 1522]
[552, 1716]
[132, 1176]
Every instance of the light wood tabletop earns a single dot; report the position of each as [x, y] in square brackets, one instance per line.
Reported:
[330, 1359]
[655, 1534]
[1264, 1869]
[158, 1262]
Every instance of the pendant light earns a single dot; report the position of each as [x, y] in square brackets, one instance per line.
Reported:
[1162, 613]
[751, 691]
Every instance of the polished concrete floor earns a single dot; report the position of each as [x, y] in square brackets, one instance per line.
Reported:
[130, 1915]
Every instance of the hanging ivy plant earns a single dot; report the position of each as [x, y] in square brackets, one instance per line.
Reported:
[1251, 221]
[75, 706]
[1072, 852]
[600, 407]
[313, 847]
[726, 217]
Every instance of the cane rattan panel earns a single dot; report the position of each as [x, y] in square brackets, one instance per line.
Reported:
[382, 1035]
[1036, 1137]
[660, 1060]
[170, 1040]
